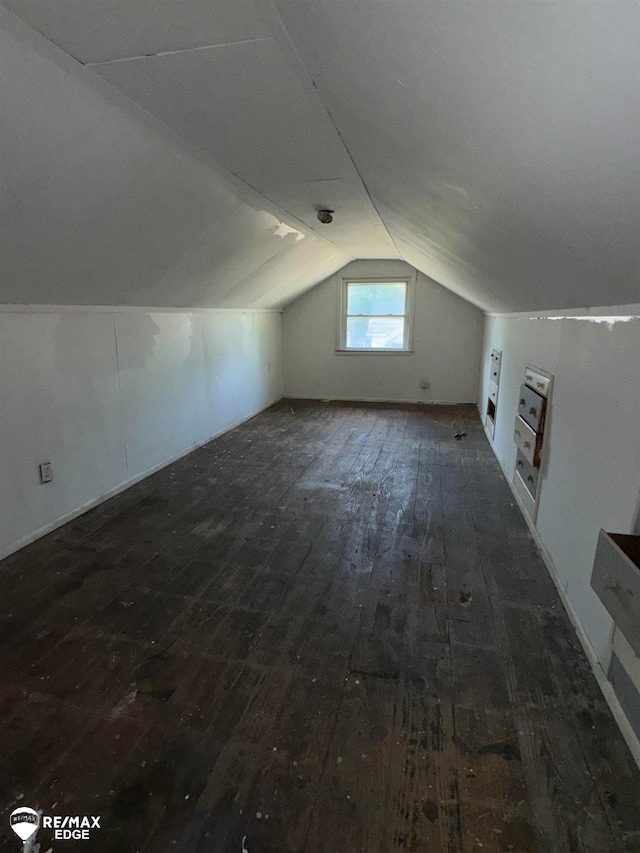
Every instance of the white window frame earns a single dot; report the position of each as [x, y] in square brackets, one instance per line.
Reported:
[341, 343]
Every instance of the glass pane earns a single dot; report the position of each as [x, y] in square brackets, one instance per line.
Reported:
[376, 298]
[375, 332]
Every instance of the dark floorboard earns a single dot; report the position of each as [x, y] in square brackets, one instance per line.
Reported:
[327, 631]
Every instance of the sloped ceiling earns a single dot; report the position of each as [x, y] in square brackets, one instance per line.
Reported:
[493, 145]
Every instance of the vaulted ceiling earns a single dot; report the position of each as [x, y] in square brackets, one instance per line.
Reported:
[494, 145]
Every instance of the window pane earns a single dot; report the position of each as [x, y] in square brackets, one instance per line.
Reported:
[376, 298]
[375, 332]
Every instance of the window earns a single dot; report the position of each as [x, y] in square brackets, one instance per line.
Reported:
[375, 316]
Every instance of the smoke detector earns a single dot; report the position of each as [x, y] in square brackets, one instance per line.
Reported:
[325, 216]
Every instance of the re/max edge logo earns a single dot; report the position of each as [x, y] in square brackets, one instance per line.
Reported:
[26, 822]
[68, 826]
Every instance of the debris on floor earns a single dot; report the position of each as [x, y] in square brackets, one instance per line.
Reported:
[244, 629]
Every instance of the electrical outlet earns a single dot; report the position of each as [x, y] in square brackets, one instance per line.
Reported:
[46, 474]
[424, 384]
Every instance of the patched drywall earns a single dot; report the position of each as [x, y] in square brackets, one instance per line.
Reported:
[447, 342]
[109, 396]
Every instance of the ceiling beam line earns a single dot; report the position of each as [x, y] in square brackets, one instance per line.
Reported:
[321, 102]
[175, 52]
[364, 183]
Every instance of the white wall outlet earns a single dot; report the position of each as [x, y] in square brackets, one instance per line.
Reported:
[46, 474]
[424, 384]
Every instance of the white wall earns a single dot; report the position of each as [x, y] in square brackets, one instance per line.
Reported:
[447, 343]
[107, 396]
[592, 471]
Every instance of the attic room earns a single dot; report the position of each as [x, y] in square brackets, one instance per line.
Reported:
[319, 406]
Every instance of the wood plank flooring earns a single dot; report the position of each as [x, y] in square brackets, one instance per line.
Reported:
[327, 631]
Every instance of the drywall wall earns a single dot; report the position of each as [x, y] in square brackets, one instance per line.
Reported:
[592, 470]
[109, 396]
[447, 342]
[102, 204]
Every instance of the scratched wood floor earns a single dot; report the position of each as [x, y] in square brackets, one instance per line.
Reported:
[327, 631]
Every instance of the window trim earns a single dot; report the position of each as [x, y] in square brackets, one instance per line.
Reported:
[341, 342]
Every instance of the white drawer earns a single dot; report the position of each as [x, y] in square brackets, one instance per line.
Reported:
[528, 474]
[616, 581]
[493, 392]
[537, 381]
[531, 407]
[526, 439]
[496, 359]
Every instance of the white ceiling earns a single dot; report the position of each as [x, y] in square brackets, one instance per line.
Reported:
[103, 204]
[494, 145]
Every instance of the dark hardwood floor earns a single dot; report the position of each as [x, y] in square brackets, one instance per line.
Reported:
[327, 631]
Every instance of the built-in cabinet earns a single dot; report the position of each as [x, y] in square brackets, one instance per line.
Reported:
[616, 581]
[494, 386]
[529, 436]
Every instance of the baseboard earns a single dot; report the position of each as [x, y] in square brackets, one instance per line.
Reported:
[75, 513]
[380, 400]
[603, 682]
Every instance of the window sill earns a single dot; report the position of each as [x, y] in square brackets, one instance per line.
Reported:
[374, 352]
